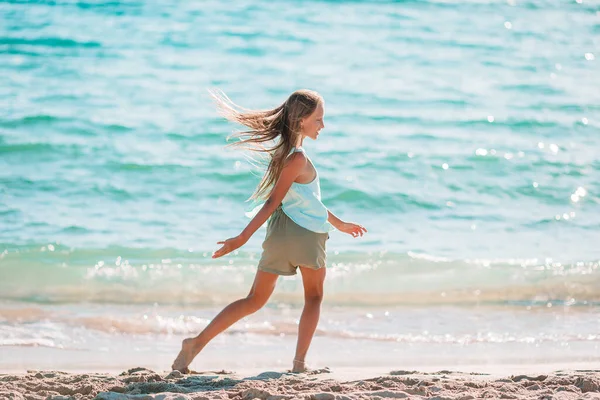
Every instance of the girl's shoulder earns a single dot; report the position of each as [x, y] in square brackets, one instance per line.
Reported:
[297, 152]
[296, 160]
[297, 156]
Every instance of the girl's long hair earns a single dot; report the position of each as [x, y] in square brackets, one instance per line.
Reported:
[274, 132]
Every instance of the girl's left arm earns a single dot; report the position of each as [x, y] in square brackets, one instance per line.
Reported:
[333, 220]
[350, 228]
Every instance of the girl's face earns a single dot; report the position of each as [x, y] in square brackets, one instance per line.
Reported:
[311, 125]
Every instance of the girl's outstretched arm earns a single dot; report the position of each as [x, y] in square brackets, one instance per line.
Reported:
[347, 227]
[294, 167]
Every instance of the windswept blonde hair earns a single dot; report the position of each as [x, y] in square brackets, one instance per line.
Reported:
[274, 132]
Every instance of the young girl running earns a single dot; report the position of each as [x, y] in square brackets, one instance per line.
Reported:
[299, 223]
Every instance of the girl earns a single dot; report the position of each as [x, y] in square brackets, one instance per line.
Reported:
[299, 222]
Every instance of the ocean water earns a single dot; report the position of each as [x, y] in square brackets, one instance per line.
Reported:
[464, 136]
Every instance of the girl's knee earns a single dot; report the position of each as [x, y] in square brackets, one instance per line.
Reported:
[255, 303]
[315, 298]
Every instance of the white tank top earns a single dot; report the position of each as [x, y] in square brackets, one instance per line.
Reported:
[302, 203]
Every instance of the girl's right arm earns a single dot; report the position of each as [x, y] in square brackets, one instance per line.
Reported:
[294, 167]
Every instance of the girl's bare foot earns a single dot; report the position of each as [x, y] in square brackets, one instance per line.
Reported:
[189, 350]
[299, 366]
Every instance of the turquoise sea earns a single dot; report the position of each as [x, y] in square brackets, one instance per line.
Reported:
[464, 136]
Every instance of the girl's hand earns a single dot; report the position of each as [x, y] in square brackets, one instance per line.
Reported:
[352, 229]
[229, 245]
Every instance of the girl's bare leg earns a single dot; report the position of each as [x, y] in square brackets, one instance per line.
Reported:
[313, 296]
[264, 284]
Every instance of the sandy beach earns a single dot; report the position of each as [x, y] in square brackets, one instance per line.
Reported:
[319, 384]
